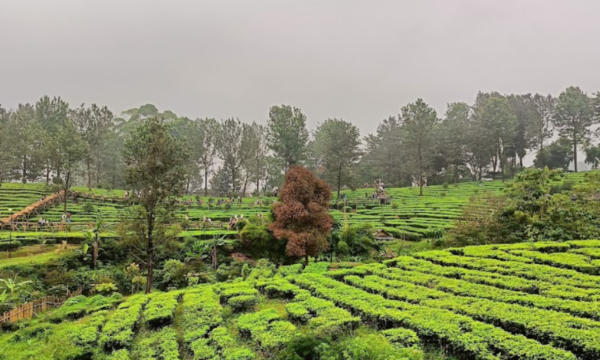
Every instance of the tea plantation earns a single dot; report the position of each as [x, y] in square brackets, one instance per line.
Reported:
[407, 215]
[521, 301]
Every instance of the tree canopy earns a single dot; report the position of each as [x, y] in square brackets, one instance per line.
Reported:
[302, 217]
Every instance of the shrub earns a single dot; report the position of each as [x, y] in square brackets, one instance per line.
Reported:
[267, 329]
[227, 347]
[174, 273]
[342, 248]
[158, 345]
[297, 312]
[402, 337]
[88, 207]
[119, 355]
[161, 309]
[317, 267]
[290, 269]
[242, 302]
[245, 271]
[118, 331]
[79, 306]
[105, 288]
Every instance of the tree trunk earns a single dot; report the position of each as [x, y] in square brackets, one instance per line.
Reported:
[89, 174]
[214, 257]
[98, 169]
[95, 254]
[150, 249]
[575, 150]
[245, 185]
[24, 173]
[521, 161]
[306, 260]
[257, 176]
[420, 172]
[206, 181]
[47, 175]
[542, 160]
[455, 173]
[494, 166]
[339, 180]
[66, 189]
[233, 180]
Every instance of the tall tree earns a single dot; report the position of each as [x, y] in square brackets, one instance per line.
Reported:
[592, 156]
[94, 124]
[111, 158]
[419, 125]
[186, 131]
[478, 148]
[573, 118]
[541, 128]
[302, 217]
[220, 182]
[233, 147]
[274, 177]
[27, 149]
[255, 165]
[337, 143]
[71, 150]
[287, 135]
[51, 115]
[525, 112]
[499, 125]
[596, 103]
[7, 156]
[557, 155]
[155, 171]
[453, 139]
[383, 152]
[208, 131]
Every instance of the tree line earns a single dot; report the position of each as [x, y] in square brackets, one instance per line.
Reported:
[52, 142]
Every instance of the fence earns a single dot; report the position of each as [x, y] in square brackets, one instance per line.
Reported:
[32, 309]
[33, 209]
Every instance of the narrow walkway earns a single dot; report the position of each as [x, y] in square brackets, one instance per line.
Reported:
[33, 209]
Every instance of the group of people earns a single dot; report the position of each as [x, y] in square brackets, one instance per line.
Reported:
[379, 193]
[233, 221]
[66, 217]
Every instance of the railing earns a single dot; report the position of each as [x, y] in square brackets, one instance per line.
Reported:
[33, 209]
[33, 308]
[50, 227]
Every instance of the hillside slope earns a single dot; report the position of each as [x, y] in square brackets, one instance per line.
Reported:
[521, 301]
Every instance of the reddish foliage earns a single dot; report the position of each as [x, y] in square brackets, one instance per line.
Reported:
[240, 257]
[302, 217]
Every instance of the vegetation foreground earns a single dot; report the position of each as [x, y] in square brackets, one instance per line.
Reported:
[520, 301]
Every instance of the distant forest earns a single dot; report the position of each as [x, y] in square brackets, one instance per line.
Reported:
[52, 142]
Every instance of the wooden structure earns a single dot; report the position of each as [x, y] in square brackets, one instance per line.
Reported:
[48, 227]
[32, 309]
[382, 235]
[33, 209]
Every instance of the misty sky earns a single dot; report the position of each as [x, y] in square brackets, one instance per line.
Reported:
[356, 60]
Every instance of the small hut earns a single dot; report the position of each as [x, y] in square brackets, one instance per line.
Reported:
[382, 235]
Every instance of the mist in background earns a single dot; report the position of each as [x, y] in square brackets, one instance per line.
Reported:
[356, 60]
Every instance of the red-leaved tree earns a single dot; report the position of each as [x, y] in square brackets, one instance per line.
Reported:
[302, 217]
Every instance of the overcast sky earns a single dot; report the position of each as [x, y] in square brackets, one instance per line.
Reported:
[356, 60]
